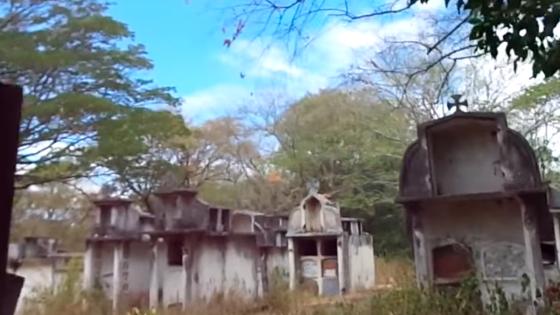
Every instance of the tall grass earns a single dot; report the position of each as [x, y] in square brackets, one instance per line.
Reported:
[403, 298]
[394, 272]
[67, 298]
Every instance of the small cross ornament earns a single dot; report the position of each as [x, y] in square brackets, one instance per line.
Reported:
[457, 103]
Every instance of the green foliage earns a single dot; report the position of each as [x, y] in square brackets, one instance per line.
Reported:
[523, 37]
[140, 147]
[353, 144]
[535, 113]
[79, 68]
[387, 224]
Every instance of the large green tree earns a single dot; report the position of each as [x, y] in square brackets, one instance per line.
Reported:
[80, 68]
[352, 143]
[139, 149]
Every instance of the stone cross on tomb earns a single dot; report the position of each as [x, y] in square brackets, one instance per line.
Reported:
[457, 103]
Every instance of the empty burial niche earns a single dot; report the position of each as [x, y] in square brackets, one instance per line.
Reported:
[307, 247]
[105, 216]
[452, 263]
[174, 253]
[329, 247]
[213, 223]
[548, 251]
[312, 208]
[225, 219]
[346, 226]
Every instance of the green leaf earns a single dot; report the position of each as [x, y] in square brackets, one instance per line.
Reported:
[80, 68]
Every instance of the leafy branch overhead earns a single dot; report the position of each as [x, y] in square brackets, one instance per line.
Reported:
[525, 28]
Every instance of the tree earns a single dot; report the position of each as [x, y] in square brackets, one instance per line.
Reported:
[222, 150]
[139, 149]
[478, 27]
[79, 68]
[353, 145]
[536, 115]
[53, 210]
[421, 95]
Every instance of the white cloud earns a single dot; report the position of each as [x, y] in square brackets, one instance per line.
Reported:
[255, 59]
[430, 6]
[213, 102]
[268, 64]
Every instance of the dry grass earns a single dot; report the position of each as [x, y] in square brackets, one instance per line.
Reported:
[395, 272]
[397, 296]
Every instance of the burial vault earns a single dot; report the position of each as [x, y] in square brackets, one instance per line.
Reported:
[476, 206]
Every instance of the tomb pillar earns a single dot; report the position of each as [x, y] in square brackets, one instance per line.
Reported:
[262, 273]
[117, 274]
[319, 262]
[556, 221]
[89, 266]
[292, 263]
[422, 252]
[187, 273]
[341, 262]
[155, 281]
[533, 256]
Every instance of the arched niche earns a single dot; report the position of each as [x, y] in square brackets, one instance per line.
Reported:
[452, 262]
[467, 153]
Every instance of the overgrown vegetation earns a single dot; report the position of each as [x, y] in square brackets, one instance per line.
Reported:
[403, 298]
[67, 297]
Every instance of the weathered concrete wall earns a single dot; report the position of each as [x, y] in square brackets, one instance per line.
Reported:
[474, 220]
[277, 264]
[491, 229]
[240, 267]
[137, 272]
[361, 262]
[105, 276]
[219, 265]
[131, 218]
[38, 277]
[172, 285]
[208, 267]
[466, 158]
[171, 279]
[241, 223]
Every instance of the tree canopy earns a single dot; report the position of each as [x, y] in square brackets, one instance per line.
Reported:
[80, 70]
[352, 143]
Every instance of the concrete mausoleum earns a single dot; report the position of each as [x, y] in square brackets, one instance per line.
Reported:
[333, 254]
[41, 262]
[189, 250]
[477, 206]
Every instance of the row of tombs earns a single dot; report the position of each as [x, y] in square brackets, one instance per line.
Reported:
[475, 202]
[476, 206]
[188, 250]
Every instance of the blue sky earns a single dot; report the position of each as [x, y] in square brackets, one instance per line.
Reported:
[185, 41]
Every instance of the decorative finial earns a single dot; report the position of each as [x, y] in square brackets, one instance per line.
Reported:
[313, 186]
[457, 103]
